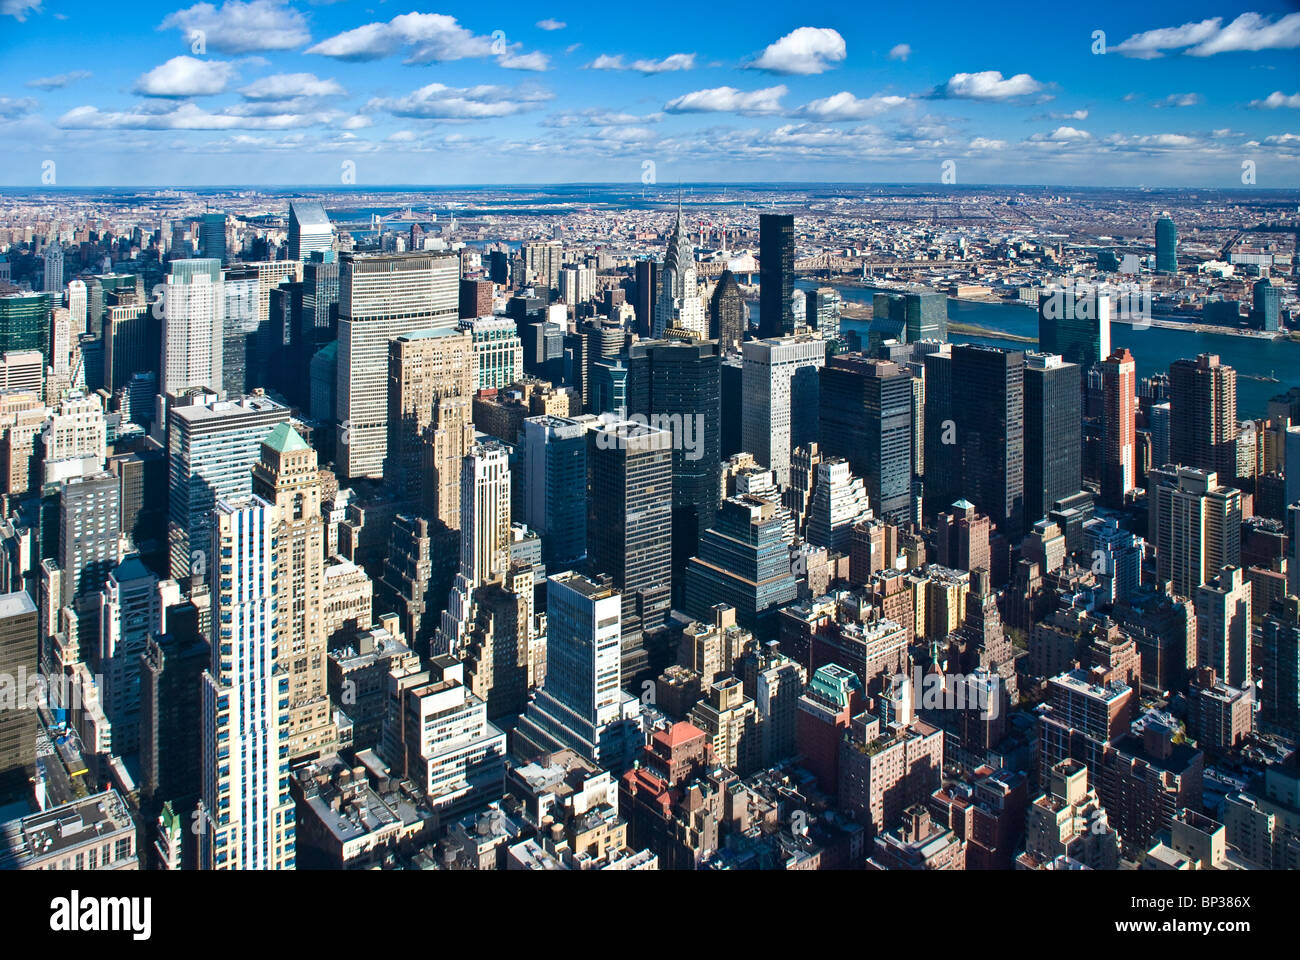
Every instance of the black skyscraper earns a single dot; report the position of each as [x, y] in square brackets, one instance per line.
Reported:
[776, 274]
[677, 385]
[1053, 457]
[727, 313]
[499, 267]
[941, 482]
[647, 280]
[975, 434]
[866, 417]
[732, 405]
[629, 527]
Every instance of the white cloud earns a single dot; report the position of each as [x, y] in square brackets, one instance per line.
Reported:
[438, 101]
[536, 61]
[551, 24]
[845, 106]
[729, 100]
[237, 27]
[186, 77]
[357, 122]
[1203, 38]
[900, 51]
[1277, 99]
[989, 85]
[286, 86]
[669, 64]
[11, 109]
[803, 51]
[19, 9]
[1063, 135]
[58, 81]
[183, 116]
[1180, 100]
[600, 118]
[431, 37]
[1153, 142]
[984, 143]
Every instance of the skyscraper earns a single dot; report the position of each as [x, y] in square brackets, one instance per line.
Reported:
[582, 705]
[1223, 626]
[211, 450]
[77, 304]
[775, 274]
[25, 322]
[53, 280]
[940, 461]
[246, 820]
[320, 296]
[1075, 323]
[287, 477]
[380, 298]
[986, 405]
[823, 311]
[555, 472]
[430, 418]
[1203, 423]
[309, 229]
[498, 354]
[242, 331]
[630, 522]
[727, 323]
[781, 398]
[744, 561]
[1265, 311]
[909, 317]
[132, 609]
[18, 659]
[678, 305]
[1195, 524]
[212, 238]
[89, 531]
[1166, 245]
[484, 537]
[1118, 428]
[1053, 455]
[839, 501]
[647, 290]
[193, 327]
[677, 385]
[866, 417]
[1158, 417]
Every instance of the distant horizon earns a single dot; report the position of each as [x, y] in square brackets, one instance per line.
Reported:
[631, 186]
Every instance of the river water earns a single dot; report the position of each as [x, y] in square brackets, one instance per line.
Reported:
[1153, 348]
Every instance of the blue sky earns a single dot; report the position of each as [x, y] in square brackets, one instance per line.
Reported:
[270, 92]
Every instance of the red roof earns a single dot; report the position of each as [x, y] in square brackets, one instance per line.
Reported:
[678, 734]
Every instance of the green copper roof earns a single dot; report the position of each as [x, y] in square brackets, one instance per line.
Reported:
[284, 439]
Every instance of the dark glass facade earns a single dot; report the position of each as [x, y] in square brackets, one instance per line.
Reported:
[866, 418]
[776, 274]
[1053, 451]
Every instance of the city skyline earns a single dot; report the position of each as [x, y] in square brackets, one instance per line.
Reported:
[274, 93]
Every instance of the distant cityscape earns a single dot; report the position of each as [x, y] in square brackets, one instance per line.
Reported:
[376, 530]
[648, 440]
